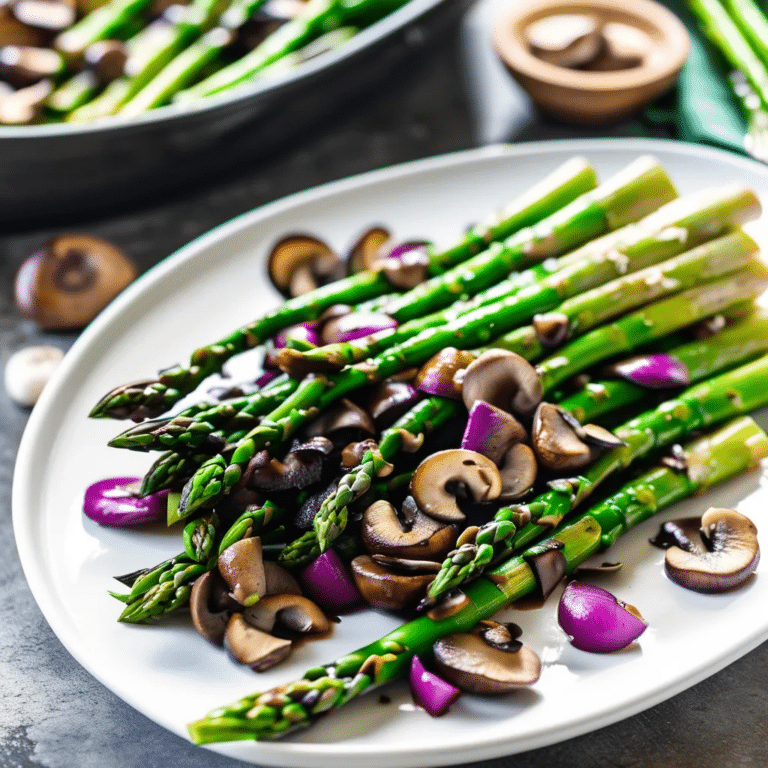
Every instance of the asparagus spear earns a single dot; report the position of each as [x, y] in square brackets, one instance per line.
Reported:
[150, 398]
[702, 358]
[751, 20]
[477, 328]
[708, 403]
[171, 470]
[733, 449]
[720, 28]
[330, 520]
[166, 587]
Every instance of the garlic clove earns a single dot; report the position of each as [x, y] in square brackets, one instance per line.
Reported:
[28, 371]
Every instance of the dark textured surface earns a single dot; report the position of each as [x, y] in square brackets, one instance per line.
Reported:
[55, 715]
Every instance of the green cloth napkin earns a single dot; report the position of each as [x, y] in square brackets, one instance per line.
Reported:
[702, 107]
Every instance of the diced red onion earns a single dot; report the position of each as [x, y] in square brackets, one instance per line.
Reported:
[115, 501]
[266, 377]
[596, 620]
[654, 371]
[302, 333]
[430, 691]
[329, 584]
[402, 248]
[490, 431]
[357, 325]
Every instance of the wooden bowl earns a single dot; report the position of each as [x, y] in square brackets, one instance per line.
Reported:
[588, 97]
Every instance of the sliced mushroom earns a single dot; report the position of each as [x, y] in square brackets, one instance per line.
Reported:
[473, 664]
[25, 106]
[366, 252]
[504, 379]
[279, 581]
[208, 618]
[106, 59]
[343, 422]
[300, 263]
[390, 400]
[49, 15]
[302, 467]
[600, 437]
[403, 565]
[565, 39]
[385, 588]
[491, 431]
[409, 535]
[295, 613]
[548, 564]
[70, 280]
[22, 65]
[407, 270]
[551, 328]
[242, 567]
[518, 472]
[248, 645]
[439, 478]
[353, 453]
[725, 555]
[439, 375]
[555, 441]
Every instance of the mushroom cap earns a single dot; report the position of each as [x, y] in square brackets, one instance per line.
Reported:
[504, 379]
[210, 623]
[293, 612]
[441, 475]
[518, 472]
[344, 419]
[366, 251]
[726, 555]
[385, 588]
[242, 567]
[248, 645]
[555, 441]
[70, 280]
[278, 580]
[472, 664]
[415, 535]
[300, 263]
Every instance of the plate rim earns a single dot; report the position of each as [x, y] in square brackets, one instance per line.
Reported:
[280, 752]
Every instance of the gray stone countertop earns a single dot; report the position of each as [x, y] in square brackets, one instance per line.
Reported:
[53, 714]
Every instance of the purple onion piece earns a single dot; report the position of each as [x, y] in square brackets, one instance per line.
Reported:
[360, 324]
[402, 248]
[429, 691]
[491, 431]
[266, 377]
[596, 621]
[303, 333]
[654, 371]
[328, 582]
[115, 501]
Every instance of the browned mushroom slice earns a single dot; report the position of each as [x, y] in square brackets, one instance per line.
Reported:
[242, 567]
[300, 263]
[25, 106]
[366, 252]
[302, 467]
[295, 613]
[70, 280]
[23, 65]
[403, 565]
[106, 59]
[548, 564]
[518, 472]
[439, 478]
[248, 645]
[386, 588]
[353, 453]
[725, 555]
[208, 618]
[551, 328]
[410, 535]
[389, 401]
[279, 581]
[475, 665]
[504, 379]
[440, 374]
[600, 437]
[555, 441]
[49, 15]
[343, 421]
[407, 270]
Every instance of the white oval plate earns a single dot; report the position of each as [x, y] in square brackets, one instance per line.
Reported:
[217, 282]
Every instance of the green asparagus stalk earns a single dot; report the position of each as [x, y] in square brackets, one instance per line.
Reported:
[171, 470]
[652, 322]
[702, 358]
[726, 35]
[752, 22]
[717, 457]
[103, 23]
[478, 328]
[73, 92]
[711, 402]
[331, 519]
[192, 428]
[151, 398]
[166, 587]
[585, 311]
